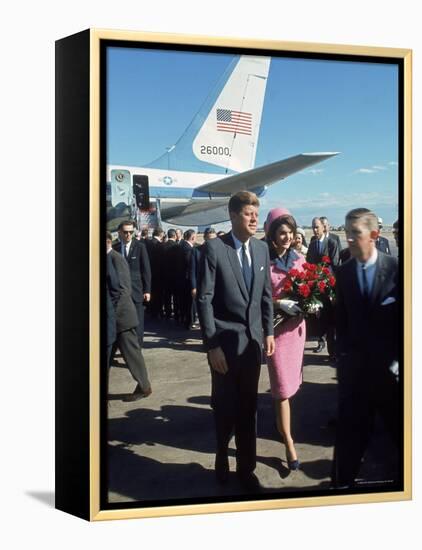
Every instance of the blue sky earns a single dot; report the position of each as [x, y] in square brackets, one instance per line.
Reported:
[310, 106]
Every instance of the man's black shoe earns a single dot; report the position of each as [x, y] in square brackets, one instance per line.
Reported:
[139, 393]
[250, 482]
[320, 346]
[222, 468]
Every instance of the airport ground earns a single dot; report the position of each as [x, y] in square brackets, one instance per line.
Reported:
[161, 448]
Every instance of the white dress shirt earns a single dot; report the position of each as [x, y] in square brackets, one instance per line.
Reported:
[238, 246]
[127, 245]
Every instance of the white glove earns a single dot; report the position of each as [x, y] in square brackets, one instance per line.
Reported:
[288, 306]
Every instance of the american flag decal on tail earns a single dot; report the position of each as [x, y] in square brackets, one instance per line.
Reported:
[234, 121]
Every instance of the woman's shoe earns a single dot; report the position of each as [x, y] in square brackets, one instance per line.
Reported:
[292, 464]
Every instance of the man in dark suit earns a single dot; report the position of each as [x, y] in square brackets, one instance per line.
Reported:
[155, 254]
[328, 234]
[368, 336]
[140, 270]
[112, 298]
[321, 246]
[235, 309]
[187, 307]
[126, 319]
[382, 243]
[171, 307]
[197, 251]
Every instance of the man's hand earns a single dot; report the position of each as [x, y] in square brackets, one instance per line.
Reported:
[269, 345]
[147, 297]
[193, 293]
[217, 360]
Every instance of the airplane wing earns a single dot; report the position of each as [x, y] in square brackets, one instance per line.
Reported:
[195, 212]
[264, 175]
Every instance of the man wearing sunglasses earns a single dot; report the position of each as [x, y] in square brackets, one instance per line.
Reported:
[136, 255]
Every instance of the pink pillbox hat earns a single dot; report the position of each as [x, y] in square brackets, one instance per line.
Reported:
[273, 215]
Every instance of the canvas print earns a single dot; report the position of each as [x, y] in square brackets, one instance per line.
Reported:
[252, 276]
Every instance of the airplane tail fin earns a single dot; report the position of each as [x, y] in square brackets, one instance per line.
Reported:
[223, 136]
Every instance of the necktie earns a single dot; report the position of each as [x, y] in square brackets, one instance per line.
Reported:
[125, 251]
[246, 268]
[365, 287]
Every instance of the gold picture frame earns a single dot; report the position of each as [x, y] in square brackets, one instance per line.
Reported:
[80, 159]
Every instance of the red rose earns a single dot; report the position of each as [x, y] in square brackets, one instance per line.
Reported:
[326, 260]
[312, 267]
[304, 290]
[332, 281]
[293, 273]
[322, 286]
[311, 283]
[287, 285]
[326, 270]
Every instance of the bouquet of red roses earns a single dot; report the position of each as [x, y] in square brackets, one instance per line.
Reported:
[310, 286]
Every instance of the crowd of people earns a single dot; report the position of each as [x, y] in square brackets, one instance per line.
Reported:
[233, 285]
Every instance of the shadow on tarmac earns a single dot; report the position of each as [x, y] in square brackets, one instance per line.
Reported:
[312, 409]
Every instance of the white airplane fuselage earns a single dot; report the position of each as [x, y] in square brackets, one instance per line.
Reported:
[172, 184]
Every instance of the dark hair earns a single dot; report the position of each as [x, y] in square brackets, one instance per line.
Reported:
[396, 224]
[188, 234]
[158, 231]
[126, 222]
[171, 233]
[274, 227]
[144, 232]
[241, 199]
[209, 231]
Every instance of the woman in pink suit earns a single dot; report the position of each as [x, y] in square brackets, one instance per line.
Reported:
[285, 365]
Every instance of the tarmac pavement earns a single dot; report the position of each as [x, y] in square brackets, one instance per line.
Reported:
[161, 448]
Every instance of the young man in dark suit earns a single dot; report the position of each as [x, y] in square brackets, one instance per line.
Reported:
[368, 336]
[235, 310]
[126, 321]
[136, 255]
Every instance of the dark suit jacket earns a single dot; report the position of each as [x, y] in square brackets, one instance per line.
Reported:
[126, 316]
[330, 248]
[112, 299]
[383, 245]
[335, 238]
[140, 269]
[169, 262]
[194, 266]
[187, 251]
[367, 335]
[345, 255]
[229, 316]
